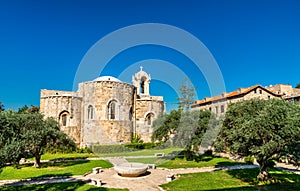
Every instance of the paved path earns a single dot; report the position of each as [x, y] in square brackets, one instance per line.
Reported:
[116, 160]
[152, 180]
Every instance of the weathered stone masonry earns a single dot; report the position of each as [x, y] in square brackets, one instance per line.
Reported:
[105, 110]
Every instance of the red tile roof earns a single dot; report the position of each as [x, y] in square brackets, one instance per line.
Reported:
[238, 92]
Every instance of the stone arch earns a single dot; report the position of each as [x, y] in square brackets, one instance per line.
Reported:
[112, 109]
[141, 81]
[90, 112]
[149, 117]
[63, 118]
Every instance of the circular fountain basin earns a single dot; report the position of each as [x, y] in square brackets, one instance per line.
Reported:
[131, 169]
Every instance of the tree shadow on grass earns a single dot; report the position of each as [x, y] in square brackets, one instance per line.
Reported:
[228, 163]
[66, 186]
[38, 179]
[245, 175]
[270, 187]
[63, 164]
[52, 164]
[279, 178]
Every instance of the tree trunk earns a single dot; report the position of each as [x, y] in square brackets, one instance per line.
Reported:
[263, 172]
[37, 162]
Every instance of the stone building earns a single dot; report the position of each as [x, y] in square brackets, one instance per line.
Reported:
[218, 104]
[105, 110]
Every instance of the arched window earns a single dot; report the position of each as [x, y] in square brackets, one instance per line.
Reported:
[130, 114]
[63, 118]
[143, 85]
[142, 90]
[149, 119]
[90, 112]
[111, 109]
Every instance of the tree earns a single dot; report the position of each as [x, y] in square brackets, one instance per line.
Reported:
[11, 139]
[165, 125]
[40, 133]
[298, 86]
[260, 128]
[187, 94]
[185, 129]
[31, 109]
[1, 106]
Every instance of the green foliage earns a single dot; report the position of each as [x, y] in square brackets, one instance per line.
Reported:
[104, 149]
[39, 134]
[142, 145]
[187, 129]
[261, 128]
[1, 106]
[11, 138]
[166, 125]
[298, 86]
[249, 160]
[31, 109]
[136, 139]
[187, 94]
[27, 133]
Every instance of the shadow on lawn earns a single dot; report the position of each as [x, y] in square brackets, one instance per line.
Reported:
[249, 176]
[63, 164]
[37, 179]
[271, 187]
[66, 186]
[53, 164]
[228, 163]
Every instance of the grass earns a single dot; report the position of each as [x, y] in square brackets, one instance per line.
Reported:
[70, 186]
[48, 156]
[144, 152]
[204, 161]
[52, 169]
[234, 180]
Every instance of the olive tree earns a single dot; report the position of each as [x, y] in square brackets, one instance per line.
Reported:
[261, 128]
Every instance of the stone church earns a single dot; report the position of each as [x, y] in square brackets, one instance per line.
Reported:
[105, 110]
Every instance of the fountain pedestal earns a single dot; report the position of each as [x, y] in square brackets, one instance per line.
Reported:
[132, 169]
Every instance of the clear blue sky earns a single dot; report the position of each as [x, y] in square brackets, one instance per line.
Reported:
[43, 42]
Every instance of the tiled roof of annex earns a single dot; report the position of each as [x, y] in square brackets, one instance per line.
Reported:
[229, 95]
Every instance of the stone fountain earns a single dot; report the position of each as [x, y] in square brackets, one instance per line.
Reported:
[131, 169]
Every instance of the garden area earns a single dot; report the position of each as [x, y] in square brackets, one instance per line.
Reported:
[70, 164]
[235, 180]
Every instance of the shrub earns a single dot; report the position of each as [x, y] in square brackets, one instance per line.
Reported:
[103, 149]
[142, 145]
[249, 160]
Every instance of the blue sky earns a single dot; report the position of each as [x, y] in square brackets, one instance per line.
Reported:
[42, 43]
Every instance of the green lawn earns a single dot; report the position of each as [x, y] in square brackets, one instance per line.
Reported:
[144, 152]
[76, 186]
[234, 180]
[52, 169]
[205, 161]
[48, 156]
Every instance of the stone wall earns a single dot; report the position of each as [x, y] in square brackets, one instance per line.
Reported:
[55, 103]
[144, 107]
[101, 129]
